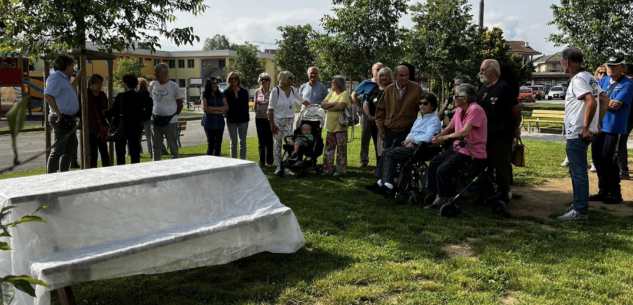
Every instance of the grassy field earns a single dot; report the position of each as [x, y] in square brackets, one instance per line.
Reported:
[363, 249]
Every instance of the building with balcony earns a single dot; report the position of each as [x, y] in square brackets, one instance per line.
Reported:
[549, 71]
[522, 48]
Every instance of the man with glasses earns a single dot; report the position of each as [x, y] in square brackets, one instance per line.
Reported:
[448, 109]
[313, 91]
[604, 148]
[582, 120]
[363, 89]
[61, 96]
[503, 111]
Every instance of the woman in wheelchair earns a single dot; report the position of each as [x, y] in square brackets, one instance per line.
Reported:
[423, 130]
[301, 142]
[469, 122]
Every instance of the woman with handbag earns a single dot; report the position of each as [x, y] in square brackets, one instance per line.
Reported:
[126, 126]
[214, 106]
[281, 113]
[336, 138]
[97, 125]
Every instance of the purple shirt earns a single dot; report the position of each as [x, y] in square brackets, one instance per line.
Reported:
[262, 104]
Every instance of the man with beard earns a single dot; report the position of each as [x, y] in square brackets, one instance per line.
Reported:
[504, 118]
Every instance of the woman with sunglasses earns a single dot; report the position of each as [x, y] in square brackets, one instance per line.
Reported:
[600, 72]
[423, 131]
[214, 106]
[281, 113]
[237, 117]
[264, 133]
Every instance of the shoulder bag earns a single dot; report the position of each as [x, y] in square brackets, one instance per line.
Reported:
[115, 133]
[103, 131]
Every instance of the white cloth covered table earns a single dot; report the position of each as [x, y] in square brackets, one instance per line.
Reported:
[142, 219]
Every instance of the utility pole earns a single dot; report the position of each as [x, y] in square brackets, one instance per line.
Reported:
[481, 14]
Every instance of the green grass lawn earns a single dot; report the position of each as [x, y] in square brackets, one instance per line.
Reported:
[363, 249]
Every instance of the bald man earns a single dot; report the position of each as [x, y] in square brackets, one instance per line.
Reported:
[398, 108]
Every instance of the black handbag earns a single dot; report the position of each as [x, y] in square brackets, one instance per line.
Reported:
[162, 120]
[115, 132]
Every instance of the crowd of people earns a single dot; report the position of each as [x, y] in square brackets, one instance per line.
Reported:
[398, 114]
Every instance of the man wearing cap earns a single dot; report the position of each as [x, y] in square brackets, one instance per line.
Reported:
[604, 149]
[585, 105]
[623, 156]
[62, 98]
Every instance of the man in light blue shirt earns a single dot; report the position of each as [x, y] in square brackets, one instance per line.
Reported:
[313, 91]
[62, 98]
[424, 128]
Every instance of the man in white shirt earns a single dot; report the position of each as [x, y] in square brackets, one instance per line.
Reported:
[585, 106]
[167, 106]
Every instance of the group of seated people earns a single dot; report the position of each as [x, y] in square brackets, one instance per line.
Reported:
[469, 122]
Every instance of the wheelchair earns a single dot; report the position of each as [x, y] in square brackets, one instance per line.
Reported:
[481, 185]
[412, 175]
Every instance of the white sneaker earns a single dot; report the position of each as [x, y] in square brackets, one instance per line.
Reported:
[277, 171]
[593, 168]
[573, 216]
[565, 163]
[289, 171]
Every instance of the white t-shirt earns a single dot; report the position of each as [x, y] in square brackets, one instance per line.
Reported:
[581, 84]
[283, 105]
[165, 97]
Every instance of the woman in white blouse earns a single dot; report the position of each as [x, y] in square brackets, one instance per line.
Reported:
[281, 112]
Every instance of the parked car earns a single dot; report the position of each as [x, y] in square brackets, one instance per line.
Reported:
[526, 95]
[538, 91]
[556, 92]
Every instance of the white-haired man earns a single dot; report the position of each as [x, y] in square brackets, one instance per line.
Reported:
[503, 111]
[363, 89]
[313, 91]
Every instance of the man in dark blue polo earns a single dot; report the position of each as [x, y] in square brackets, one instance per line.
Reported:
[62, 98]
[604, 148]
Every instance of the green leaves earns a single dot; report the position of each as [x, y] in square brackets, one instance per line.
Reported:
[218, 42]
[31, 218]
[247, 65]
[23, 283]
[16, 117]
[4, 246]
[293, 50]
[128, 65]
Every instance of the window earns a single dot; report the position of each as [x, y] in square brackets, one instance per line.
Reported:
[148, 59]
[222, 63]
[181, 63]
[172, 64]
[156, 62]
[190, 63]
[181, 83]
[140, 61]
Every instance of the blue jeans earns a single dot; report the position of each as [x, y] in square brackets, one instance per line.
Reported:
[577, 155]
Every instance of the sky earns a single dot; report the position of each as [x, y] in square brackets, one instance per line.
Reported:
[257, 21]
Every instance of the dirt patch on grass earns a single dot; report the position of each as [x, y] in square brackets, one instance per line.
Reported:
[458, 250]
[509, 299]
[556, 195]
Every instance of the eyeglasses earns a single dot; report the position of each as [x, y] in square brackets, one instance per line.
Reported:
[234, 78]
[423, 103]
[460, 96]
[602, 72]
[264, 80]
[214, 83]
[291, 78]
[563, 60]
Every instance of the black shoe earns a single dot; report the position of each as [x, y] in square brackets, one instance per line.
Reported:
[372, 187]
[383, 190]
[362, 165]
[597, 197]
[390, 194]
[612, 199]
[75, 165]
[625, 176]
[293, 157]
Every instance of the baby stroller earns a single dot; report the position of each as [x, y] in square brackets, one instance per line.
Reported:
[314, 116]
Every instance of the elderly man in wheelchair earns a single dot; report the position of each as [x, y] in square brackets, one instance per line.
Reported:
[422, 132]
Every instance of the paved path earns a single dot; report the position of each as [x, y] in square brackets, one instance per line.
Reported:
[30, 144]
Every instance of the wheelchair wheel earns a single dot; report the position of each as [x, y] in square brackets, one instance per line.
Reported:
[449, 210]
[414, 198]
[428, 199]
[319, 169]
[500, 208]
[300, 174]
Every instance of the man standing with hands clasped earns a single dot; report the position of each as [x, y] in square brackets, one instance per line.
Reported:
[585, 105]
[604, 149]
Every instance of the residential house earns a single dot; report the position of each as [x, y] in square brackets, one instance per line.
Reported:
[549, 71]
[523, 48]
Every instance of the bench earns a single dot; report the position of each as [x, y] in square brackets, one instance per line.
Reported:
[182, 125]
[121, 221]
[194, 105]
[546, 114]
